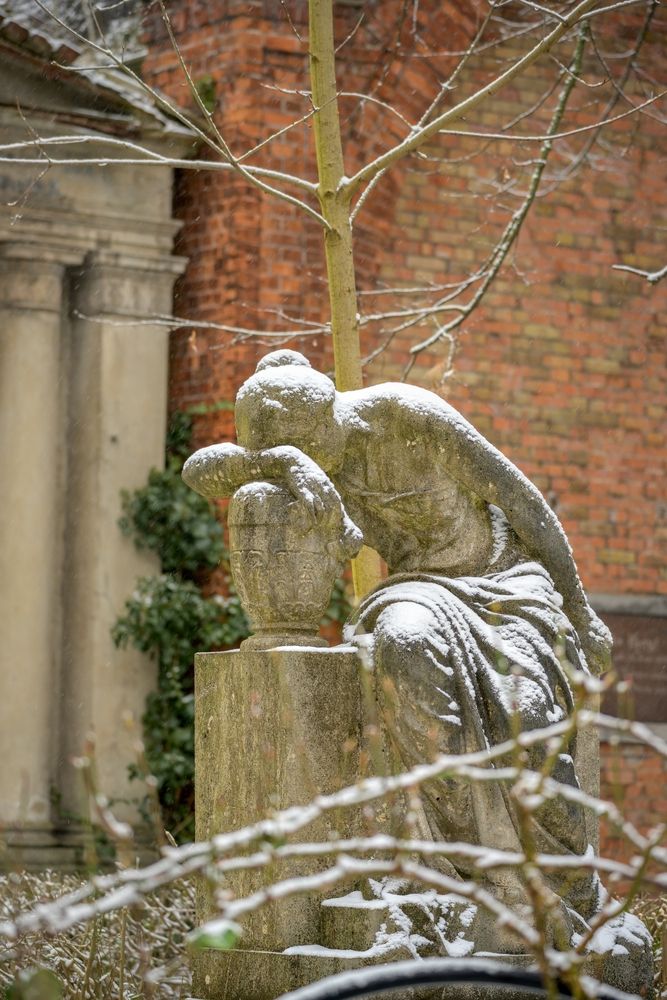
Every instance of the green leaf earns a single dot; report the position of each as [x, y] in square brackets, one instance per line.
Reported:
[220, 935]
[35, 984]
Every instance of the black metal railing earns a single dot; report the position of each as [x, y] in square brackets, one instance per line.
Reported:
[385, 979]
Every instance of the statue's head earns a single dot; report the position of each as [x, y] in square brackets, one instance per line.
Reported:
[288, 402]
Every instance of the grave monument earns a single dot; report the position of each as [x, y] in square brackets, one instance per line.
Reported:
[475, 631]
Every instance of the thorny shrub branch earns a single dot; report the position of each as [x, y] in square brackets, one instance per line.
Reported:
[267, 840]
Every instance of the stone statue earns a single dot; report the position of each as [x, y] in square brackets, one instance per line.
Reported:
[482, 605]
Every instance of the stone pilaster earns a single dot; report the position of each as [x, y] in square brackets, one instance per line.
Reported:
[117, 414]
[31, 431]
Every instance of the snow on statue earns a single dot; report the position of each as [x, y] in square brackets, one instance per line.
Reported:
[480, 618]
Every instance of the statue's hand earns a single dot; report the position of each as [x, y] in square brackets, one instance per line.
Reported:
[219, 470]
[312, 487]
[309, 483]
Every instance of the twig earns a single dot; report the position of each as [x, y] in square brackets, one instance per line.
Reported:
[653, 277]
[174, 322]
[152, 157]
[220, 147]
[513, 228]
[422, 135]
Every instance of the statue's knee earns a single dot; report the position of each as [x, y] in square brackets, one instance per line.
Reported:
[402, 635]
[415, 678]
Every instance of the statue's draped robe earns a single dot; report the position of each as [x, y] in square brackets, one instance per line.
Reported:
[490, 661]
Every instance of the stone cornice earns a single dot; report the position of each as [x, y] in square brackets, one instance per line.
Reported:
[70, 236]
[650, 605]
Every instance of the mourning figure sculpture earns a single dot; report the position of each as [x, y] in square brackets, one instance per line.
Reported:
[480, 613]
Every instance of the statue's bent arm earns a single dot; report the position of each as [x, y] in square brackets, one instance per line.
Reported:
[220, 469]
[482, 469]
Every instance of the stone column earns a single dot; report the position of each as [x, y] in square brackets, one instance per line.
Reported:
[31, 431]
[117, 415]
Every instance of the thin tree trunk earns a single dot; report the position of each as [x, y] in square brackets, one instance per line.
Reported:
[335, 207]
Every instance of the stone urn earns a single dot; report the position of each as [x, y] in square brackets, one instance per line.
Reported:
[283, 565]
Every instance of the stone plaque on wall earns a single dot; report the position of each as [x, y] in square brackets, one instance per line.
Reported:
[640, 657]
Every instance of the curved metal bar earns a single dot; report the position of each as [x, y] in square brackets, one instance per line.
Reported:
[366, 982]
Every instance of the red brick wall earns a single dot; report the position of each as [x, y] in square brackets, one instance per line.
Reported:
[563, 367]
[634, 777]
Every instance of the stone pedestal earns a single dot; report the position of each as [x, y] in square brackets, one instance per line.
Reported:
[273, 728]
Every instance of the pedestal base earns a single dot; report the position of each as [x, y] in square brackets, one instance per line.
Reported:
[34, 847]
[275, 728]
[267, 975]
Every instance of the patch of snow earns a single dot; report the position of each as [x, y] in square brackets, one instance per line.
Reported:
[621, 936]
[385, 944]
[276, 359]
[500, 531]
[355, 900]
[459, 947]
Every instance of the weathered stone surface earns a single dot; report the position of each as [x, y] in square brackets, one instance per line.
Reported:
[263, 975]
[273, 729]
[284, 565]
[413, 474]
[83, 401]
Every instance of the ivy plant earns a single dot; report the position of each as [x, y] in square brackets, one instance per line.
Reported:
[171, 617]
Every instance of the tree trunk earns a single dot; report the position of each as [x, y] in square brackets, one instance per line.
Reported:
[335, 207]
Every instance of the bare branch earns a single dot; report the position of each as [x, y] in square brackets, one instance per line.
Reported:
[513, 228]
[376, 100]
[175, 322]
[422, 135]
[222, 144]
[291, 23]
[613, 6]
[444, 87]
[151, 157]
[160, 99]
[450, 81]
[276, 135]
[596, 126]
[114, 890]
[619, 92]
[351, 35]
[220, 147]
[653, 277]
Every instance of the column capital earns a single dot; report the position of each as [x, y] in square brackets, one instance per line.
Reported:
[122, 286]
[31, 278]
[114, 260]
[39, 252]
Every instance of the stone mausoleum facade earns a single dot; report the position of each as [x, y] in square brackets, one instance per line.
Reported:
[83, 398]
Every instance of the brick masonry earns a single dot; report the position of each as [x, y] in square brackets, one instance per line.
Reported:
[563, 367]
[634, 777]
